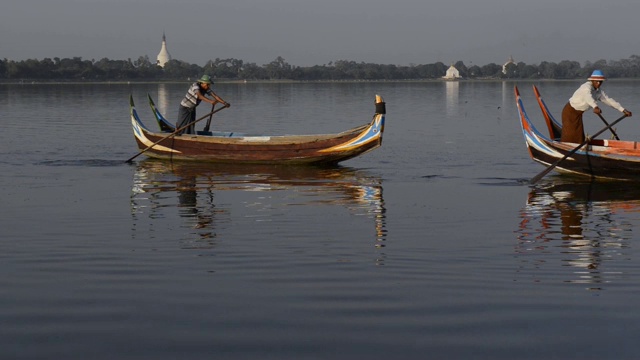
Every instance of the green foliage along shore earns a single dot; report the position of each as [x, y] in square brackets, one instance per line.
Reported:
[142, 69]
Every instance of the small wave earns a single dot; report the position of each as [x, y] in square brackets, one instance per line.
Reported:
[83, 163]
[504, 181]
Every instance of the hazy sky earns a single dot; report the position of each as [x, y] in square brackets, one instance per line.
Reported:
[304, 32]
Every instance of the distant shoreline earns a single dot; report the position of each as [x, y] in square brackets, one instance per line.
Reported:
[223, 81]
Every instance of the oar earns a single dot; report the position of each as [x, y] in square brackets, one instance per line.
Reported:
[174, 133]
[536, 178]
[612, 131]
[206, 127]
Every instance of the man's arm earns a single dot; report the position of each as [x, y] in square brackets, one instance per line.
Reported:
[218, 99]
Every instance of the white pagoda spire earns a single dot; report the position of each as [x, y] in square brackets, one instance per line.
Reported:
[163, 56]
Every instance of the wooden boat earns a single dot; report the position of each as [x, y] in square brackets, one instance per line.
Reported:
[607, 159]
[229, 147]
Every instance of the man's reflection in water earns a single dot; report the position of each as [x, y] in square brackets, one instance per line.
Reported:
[586, 252]
[578, 224]
[203, 215]
[188, 196]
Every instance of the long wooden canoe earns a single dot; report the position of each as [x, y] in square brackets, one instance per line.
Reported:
[607, 159]
[228, 147]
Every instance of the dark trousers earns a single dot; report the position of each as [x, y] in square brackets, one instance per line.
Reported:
[186, 116]
[572, 127]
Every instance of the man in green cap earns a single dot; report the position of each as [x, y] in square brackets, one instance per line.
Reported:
[196, 94]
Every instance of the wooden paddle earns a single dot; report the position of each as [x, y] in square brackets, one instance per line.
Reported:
[174, 133]
[536, 178]
[612, 131]
[206, 127]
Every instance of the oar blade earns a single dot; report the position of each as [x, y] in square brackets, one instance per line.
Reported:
[542, 174]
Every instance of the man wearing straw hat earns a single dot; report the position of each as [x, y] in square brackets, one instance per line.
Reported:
[196, 94]
[583, 99]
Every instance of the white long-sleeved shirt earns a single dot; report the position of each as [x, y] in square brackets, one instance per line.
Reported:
[587, 95]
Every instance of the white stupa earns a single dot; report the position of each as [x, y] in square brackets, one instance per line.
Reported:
[509, 61]
[452, 73]
[163, 56]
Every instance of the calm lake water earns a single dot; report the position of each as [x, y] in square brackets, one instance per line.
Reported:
[433, 246]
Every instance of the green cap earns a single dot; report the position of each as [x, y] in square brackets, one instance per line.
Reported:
[206, 79]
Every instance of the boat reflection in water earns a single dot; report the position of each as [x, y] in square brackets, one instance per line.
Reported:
[586, 226]
[157, 183]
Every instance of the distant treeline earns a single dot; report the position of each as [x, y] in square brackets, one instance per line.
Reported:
[143, 69]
